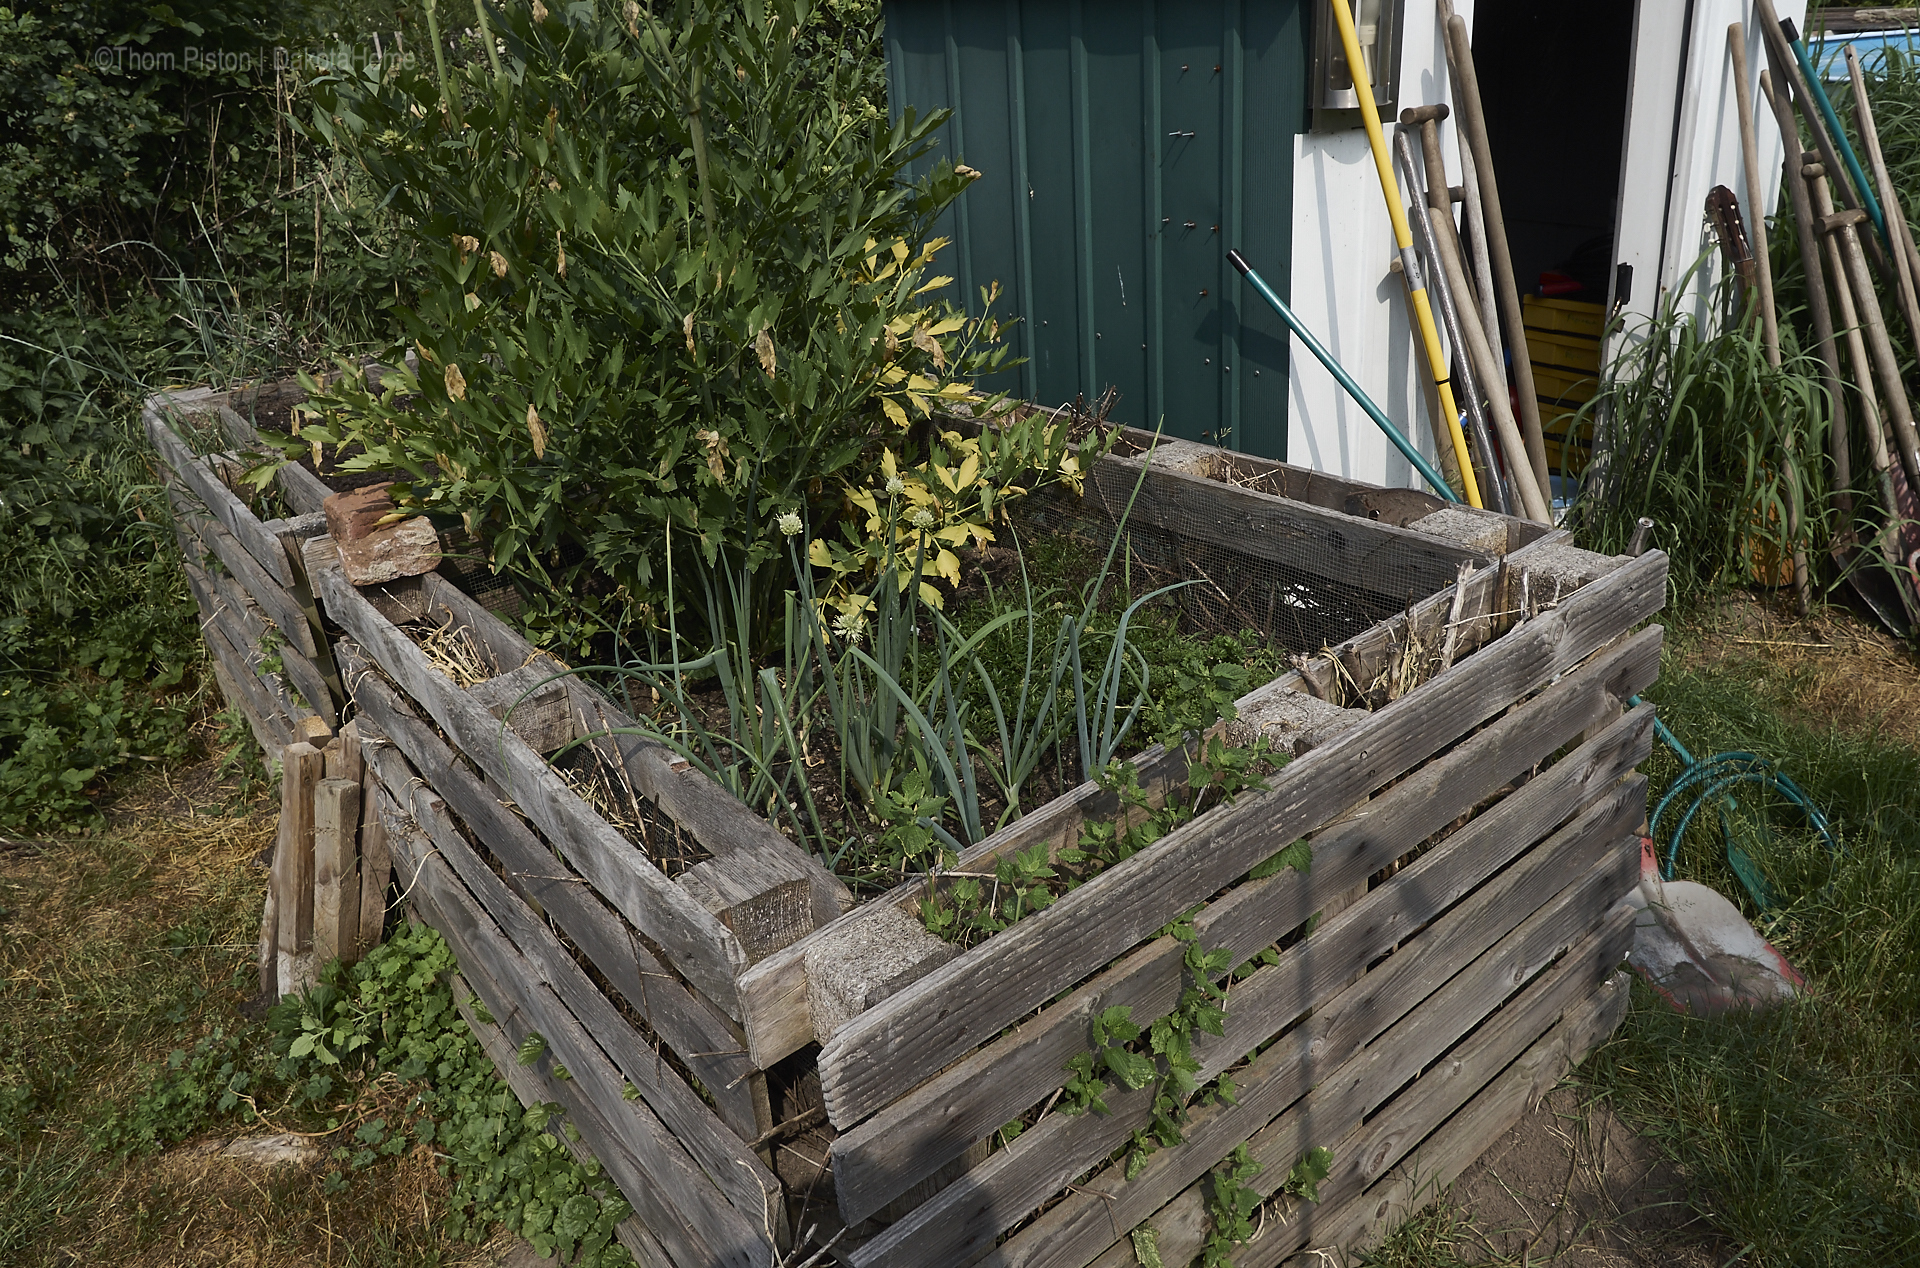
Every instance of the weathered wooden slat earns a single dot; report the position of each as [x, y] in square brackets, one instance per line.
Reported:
[694, 802]
[1363, 1220]
[701, 949]
[536, 1087]
[937, 1121]
[336, 869]
[376, 874]
[1582, 871]
[279, 605]
[1314, 541]
[676, 1200]
[1329, 1114]
[300, 769]
[232, 514]
[224, 602]
[239, 630]
[889, 1049]
[699, 1033]
[244, 692]
[739, 1175]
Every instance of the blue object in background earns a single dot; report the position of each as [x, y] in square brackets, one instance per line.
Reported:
[1122, 147]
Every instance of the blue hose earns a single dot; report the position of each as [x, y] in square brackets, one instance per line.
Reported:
[1704, 781]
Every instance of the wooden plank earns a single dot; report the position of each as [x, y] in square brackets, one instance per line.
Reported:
[973, 1211]
[235, 625]
[1363, 1220]
[280, 606]
[233, 514]
[700, 948]
[336, 869]
[1312, 541]
[738, 1174]
[270, 731]
[726, 828]
[376, 874]
[698, 1032]
[889, 1049]
[535, 1086]
[269, 949]
[300, 769]
[1330, 1113]
[246, 626]
[675, 1199]
[937, 1121]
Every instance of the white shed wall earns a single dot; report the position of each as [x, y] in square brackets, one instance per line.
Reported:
[1342, 288]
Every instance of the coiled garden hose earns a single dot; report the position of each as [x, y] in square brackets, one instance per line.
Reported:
[1710, 780]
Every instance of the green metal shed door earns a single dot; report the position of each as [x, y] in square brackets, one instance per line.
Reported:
[1123, 148]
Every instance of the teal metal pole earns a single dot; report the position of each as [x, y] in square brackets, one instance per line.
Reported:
[1819, 91]
[1345, 380]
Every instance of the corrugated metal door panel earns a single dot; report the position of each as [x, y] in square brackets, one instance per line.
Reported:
[1123, 147]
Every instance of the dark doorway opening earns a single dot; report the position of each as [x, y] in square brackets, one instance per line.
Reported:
[1553, 81]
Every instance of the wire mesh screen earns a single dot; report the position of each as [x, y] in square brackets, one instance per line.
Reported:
[1302, 589]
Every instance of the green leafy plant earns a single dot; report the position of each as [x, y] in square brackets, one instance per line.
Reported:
[669, 265]
[1231, 1202]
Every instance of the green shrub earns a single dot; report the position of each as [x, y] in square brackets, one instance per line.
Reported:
[674, 268]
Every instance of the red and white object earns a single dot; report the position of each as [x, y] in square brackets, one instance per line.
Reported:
[1695, 948]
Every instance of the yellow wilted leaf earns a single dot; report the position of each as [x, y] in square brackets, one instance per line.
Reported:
[948, 565]
[537, 430]
[933, 285]
[391, 517]
[763, 345]
[889, 465]
[955, 534]
[893, 345]
[426, 353]
[923, 339]
[894, 412]
[456, 382]
[817, 554]
[687, 326]
[931, 596]
[949, 325]
[499, 263]
[467, 245]
[900, 251]
[539, 11]
[473, 301]
[970, 470]
[716, 453]
[560, 247]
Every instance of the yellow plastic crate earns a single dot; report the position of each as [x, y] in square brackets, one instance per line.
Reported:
[1563, 388]
[1567, 352]
[1573, 316]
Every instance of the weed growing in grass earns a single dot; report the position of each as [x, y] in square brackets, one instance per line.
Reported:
[390, 1018]
[1802, 1124]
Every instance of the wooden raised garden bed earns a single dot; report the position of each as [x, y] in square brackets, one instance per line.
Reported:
[761, 1065]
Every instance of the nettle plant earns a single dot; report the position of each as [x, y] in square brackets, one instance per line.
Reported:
[677, 275]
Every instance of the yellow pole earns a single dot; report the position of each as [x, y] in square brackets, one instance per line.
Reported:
[1403, 237]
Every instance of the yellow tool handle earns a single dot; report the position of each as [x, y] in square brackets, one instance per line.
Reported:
[1403, 238]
